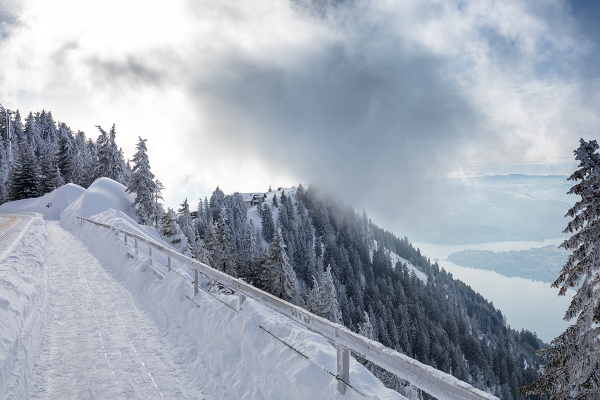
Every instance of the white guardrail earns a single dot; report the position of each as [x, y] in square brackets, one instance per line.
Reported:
[434, 382]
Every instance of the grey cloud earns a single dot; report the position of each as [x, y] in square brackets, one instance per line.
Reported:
[59, 56]
[133, 70]
[368, 120]
[8, 16]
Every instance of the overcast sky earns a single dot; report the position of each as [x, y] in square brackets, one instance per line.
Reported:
[370, 99]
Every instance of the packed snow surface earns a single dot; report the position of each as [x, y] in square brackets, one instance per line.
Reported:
[97, 339]
[84, 315]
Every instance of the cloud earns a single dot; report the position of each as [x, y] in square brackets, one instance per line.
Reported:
[368, 99]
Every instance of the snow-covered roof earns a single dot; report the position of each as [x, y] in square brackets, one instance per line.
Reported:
[253, 195]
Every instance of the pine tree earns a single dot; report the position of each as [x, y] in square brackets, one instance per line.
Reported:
[200, 252]
[322, 299]
[573, 370]
[157, 195]
[25, 178]
[51, 177]
[185, 222]
[247, 264]
[278, 277]
[220, 246]
[65, 155]
[172, 234]
[111, 163]
[143, 185]
[275, 202]
[268, 226]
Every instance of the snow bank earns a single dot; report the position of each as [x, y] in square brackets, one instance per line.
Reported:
[243, 351]
[23, 301]
[102, 195]
[106, 201]
[50, 205]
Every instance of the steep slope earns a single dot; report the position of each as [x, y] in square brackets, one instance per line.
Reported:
[413, 306]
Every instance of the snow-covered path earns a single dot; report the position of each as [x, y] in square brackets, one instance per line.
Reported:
[97, 343]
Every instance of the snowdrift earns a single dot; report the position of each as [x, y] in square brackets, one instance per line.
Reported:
[106, 201]
[102, 195]
[241, 354]
[50, 205]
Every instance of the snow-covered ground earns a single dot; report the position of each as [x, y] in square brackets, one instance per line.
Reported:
[81, 315]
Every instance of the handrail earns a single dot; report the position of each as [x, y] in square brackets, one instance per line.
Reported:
[425, 377]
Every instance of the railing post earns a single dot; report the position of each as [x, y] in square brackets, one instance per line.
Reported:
[169, 262]
[150, 253]
[195, 281]
[241, 299]
[125, 237]
[343, 368]
[136, 246]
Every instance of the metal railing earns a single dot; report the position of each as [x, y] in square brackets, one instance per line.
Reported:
[424, 377]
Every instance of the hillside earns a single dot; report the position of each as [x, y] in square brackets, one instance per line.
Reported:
[412, 304]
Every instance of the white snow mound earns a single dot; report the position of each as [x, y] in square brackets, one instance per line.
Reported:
[50, 205]
[102, 195]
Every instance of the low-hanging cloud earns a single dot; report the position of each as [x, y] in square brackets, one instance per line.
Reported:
[372, 100]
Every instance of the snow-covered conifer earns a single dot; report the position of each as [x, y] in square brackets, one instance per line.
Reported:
[366, 328]
[217, 238]
[25, 178]
[143, 185]
[51, 177]
[278, 276]
[110, 159]
[66, 159]
[158, 189]
[322, 298]
[172, 233]
[249, 256]
[185, 222]
[573, 370]
[217, 201]
[268, 226]
[200, 252]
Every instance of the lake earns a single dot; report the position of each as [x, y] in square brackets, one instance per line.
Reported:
[525, 303]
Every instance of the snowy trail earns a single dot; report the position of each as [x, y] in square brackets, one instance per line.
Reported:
[97, 343]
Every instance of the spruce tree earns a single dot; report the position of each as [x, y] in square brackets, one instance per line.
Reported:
[268, 226]
[66, 159]
[278, 277]
[25, 178]
[573, 370]
[111, 163]
[172, 234]
[143, 185]
[186, 223]
[223, 251]
[157, 195]
[51, 176]
[322, 299]
[247, 263]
